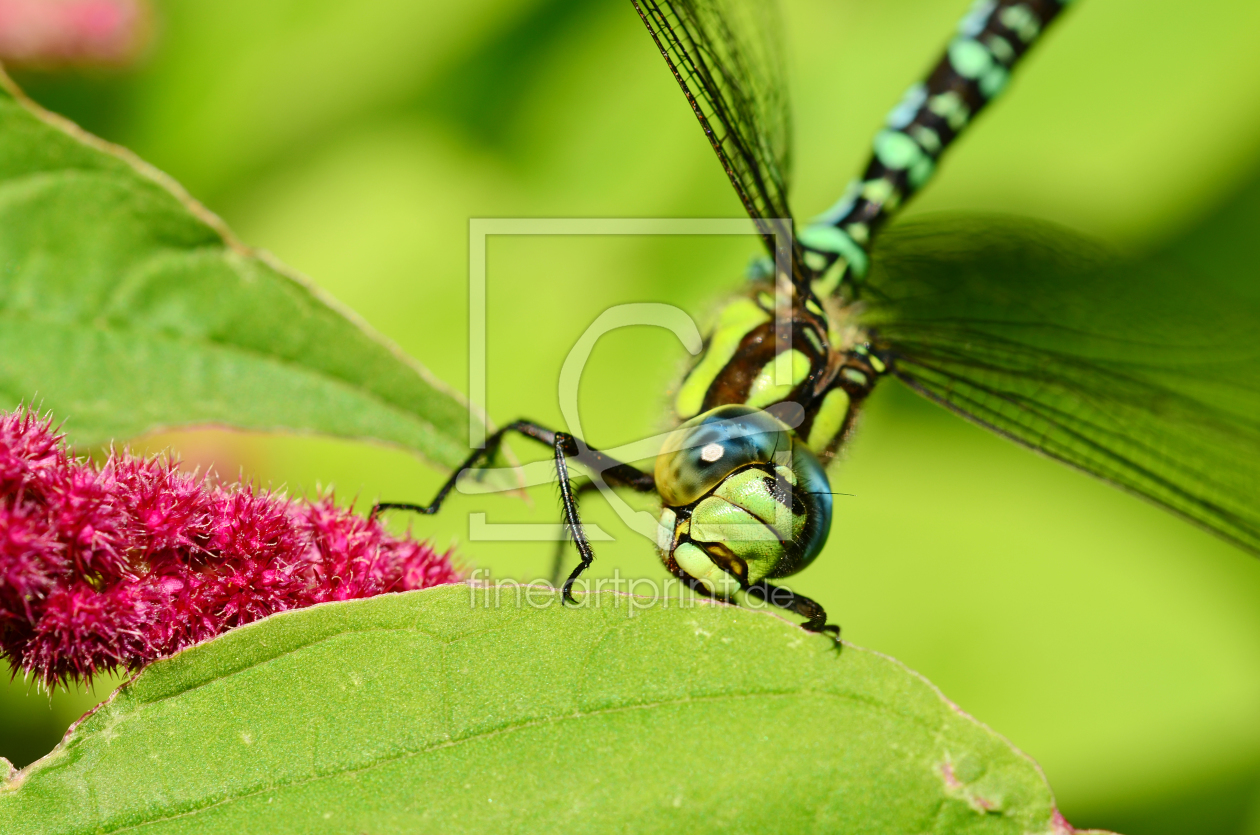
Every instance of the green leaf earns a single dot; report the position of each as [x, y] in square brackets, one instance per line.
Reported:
[126, 307]
[444, 711]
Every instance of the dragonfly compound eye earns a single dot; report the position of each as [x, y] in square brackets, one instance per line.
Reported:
[745, 500]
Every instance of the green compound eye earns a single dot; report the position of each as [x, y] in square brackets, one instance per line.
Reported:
[744, 498]
[706, 449]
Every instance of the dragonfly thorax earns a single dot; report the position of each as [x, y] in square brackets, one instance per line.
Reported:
[744, 500]
[762, 351]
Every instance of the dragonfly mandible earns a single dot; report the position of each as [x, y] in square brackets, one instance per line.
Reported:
[1024, 328]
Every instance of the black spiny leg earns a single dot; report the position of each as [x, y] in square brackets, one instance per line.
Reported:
[481, 455]
[611, 471]
[565, 446]
[619, 475]
[564, 442]
[814, 614]
[557, 563]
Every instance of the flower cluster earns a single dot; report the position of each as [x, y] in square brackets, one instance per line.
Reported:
[50, 33]
[114, 565]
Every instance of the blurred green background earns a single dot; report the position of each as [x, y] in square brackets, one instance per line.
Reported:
[1117, 645]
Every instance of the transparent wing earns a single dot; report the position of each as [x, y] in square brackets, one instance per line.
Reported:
[728, 60]
[1143, 372]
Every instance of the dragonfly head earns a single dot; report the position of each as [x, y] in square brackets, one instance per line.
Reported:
[744, 499]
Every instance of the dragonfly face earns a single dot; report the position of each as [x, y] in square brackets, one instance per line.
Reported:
[744, 500]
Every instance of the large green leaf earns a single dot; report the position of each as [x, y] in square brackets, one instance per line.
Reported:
[126, 307]
[446, 711]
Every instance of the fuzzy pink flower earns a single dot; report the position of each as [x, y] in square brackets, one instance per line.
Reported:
[118, 564]
[44, 33]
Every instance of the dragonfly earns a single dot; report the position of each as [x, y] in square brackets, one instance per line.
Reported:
[1114, 366]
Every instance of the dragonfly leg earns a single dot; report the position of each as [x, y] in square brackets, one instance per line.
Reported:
[618, 475]
[479, 456]
[612, 472]
[557, 564]
[814, 614]
[568, 502]
[564, 446]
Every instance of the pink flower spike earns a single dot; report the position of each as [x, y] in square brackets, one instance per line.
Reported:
[119, 564]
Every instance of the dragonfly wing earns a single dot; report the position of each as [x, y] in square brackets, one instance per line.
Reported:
[1144, 372]
[727, 57]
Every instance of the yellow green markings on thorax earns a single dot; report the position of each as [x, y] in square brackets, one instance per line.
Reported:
[793, 365]
[829, 420]
[737, 319]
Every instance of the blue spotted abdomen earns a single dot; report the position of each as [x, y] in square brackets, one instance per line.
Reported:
[975, 68]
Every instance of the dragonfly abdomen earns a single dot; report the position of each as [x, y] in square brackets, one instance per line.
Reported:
[974, 70]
